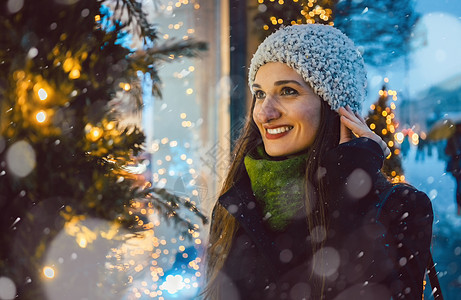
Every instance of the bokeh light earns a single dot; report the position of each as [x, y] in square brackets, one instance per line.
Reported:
[7, 288]
[358, 184]
[42, 94]
[327, 261]
[95, 133]
[173, 284]
[48, 272]
[14, 6]
[21, 158]
[41, 116]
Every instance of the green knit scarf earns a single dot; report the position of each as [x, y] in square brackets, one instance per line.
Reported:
[278, 184]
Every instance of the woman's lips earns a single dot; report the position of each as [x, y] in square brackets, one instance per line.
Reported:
[277, 132]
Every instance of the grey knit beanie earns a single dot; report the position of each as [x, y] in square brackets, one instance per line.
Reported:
[325, 57]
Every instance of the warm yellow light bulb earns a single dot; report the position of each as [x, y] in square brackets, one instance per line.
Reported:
[68, 64]
[41, 116]
[74, 74]
[415, 138]
[399, 136]
[48, 272]
[95, 133]
[82, 242]
[42, 94]
[110, 125]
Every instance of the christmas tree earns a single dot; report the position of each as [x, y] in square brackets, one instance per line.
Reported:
[381, 120]
[70, 196]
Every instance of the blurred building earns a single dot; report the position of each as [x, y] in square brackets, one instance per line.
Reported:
[432, 104]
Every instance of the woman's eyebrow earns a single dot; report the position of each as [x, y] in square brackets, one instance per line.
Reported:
[282, 82]
[279, 82]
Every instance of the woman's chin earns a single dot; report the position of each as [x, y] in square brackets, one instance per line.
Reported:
[279, 151]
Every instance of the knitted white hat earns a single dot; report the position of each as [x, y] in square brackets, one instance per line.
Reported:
[325, 57]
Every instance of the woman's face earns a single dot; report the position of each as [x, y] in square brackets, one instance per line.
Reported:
[286, 110]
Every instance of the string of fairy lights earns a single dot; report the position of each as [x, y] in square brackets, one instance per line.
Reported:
[290, 12]
[42, 91]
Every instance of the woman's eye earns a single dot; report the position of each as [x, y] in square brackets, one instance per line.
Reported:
[260, 95]
[289, 91]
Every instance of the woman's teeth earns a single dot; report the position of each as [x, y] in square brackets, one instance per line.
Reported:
[279, 129]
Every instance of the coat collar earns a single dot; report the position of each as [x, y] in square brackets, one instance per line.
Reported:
[240, 202]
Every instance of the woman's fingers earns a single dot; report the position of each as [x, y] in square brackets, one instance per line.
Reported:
[354, 123]
[345, 134]
[361, 118]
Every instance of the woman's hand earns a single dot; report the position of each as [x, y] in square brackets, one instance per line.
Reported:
[353, 123]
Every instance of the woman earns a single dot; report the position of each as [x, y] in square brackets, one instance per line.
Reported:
[299, 216]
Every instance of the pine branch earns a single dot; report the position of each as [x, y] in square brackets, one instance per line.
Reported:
[136, 14]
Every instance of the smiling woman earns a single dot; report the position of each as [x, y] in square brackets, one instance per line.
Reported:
[305, 212]
[286, 110]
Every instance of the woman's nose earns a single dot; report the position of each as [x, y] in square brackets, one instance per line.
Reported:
[268, 110]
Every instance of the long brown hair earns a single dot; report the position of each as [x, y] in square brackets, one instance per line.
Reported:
[224, 226]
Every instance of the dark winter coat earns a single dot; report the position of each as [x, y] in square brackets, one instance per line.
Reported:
[367, 257]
